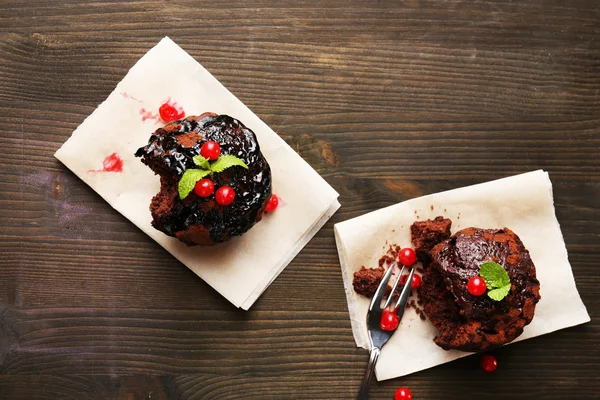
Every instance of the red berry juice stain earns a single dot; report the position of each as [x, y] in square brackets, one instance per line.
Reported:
[130, 97]
[111, 163]
[148, 115]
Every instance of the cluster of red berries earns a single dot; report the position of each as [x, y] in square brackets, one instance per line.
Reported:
[205, 187]
[225, 194]
[389, 318]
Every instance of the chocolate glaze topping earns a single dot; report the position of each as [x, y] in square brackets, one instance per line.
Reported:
[196, 220]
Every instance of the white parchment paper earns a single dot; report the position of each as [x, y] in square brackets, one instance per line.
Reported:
[522, 203]
[242, 268]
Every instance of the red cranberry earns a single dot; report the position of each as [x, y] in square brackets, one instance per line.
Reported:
[476, 286]
[403, 394]
[204, 187]
[210, 150]
[225, 195]
[169, 113]
[489, 363]
[416, 282]
[272, 204]
[407, 256]
[389, 320]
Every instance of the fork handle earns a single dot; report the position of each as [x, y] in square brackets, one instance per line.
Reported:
[363, 394]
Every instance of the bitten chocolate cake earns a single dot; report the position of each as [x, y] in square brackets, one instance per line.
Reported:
[426, 234]
[478, 323]
[204, 220]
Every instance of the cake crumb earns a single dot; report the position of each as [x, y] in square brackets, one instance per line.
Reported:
[431, 207]
[390, 256]
[426, 234]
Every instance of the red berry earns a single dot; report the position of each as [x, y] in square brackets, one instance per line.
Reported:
[416, 282]
[476, 286]
[489, 363]
[204, 187]
[403, 279]
[272, 204]
[169, 113]
[407, 256]
[389, 320]
[403, 394]
[210, 150]
[225, 195]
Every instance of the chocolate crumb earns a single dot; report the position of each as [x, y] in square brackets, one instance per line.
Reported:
[390, 256]
[431, 208]
[422, 316]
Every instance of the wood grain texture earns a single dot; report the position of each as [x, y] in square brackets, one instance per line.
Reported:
[388, 100]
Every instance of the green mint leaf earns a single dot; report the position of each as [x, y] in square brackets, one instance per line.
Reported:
[188, 181]
[201, 162]
[494, 275]
[499, 293]
[226, 161]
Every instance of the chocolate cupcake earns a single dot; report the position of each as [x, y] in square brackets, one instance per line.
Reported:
[478, 323]
[206, 220]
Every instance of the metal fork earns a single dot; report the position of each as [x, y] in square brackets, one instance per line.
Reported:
[377, 336]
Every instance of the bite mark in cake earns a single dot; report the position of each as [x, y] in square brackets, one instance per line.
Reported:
[426, 234]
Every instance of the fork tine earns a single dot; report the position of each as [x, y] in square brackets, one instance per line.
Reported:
[376, 300]
[391, 296]
[403, 299]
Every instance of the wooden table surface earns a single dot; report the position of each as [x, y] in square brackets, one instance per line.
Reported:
[387, 100]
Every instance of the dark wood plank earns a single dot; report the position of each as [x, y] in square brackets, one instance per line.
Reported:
[388, 100]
